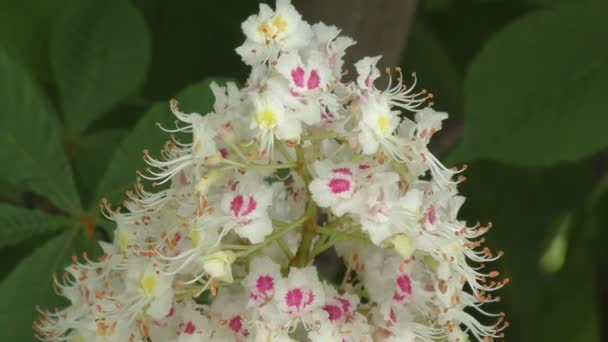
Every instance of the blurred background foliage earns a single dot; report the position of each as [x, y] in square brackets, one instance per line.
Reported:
[82, 84]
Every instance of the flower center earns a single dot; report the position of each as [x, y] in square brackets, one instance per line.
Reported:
[383, 124]
[264, 283]
[270, 29]
[267, 118]
[149, 283]
[294, 298]
[339, 185]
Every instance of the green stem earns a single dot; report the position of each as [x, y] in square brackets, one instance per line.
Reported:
[239, 152]
[255, 166]
[283, 151]
[283, 245]
[302, 257]
[323, 136]
[320, 248]
[277, 234]
[340, 234]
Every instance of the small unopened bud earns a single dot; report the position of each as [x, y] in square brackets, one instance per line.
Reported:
[219, 265]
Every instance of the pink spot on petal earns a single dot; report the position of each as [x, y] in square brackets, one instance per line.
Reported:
[339, 185]
[236, 205]
[345, 304]
[405, 284]
[251, 205]
[334, 312]
[235, 324]
[313, 80]
[343, 170]
[297, 75]
[264, 283]
[398, 297]
[432, 215]
[234, 185]
[171, 312]
[190, 328]
[310, 298]
[294, 297]
[224, 152]
[393, 316]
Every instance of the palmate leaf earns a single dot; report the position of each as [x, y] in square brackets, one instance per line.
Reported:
[91, 157]
[25, 31]
[120, 174]
[535, 95]
[100, 53]
[32, 154]
[19, 224]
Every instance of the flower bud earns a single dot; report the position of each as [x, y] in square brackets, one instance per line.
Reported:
[219, 265]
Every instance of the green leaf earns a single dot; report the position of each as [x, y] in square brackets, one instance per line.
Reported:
[120, 174]
[91, 156]
[567, 312]
[100, 53]
[30, 284]
[526, 206]
[535, 95]
[25, 31]
[177, 28]
[31, 149]
[18, 224]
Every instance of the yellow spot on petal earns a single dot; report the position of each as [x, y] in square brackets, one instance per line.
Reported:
[267, 118]
[149, 283]
[280, 24]
[384, 123]
[195, 236]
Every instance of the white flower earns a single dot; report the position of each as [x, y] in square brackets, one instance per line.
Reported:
[338, 186]
[367, 72]
[272, 120]
[229, 314]
[261, 282]
[271, 32]
[149, 288]
[300, 297]
[246, 204]
[327, 41]
[377, 125]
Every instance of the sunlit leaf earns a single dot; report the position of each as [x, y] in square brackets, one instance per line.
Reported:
[535, 95]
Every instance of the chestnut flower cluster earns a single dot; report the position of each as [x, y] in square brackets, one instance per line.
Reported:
[291, 165]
